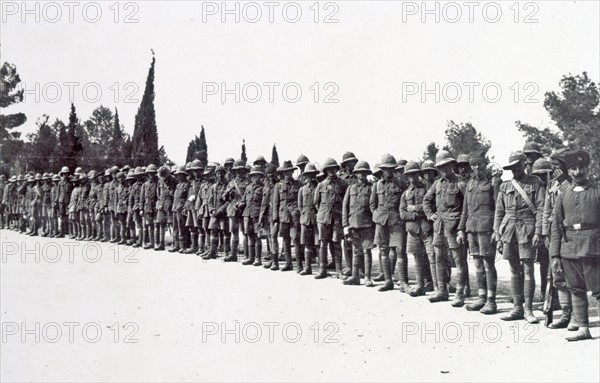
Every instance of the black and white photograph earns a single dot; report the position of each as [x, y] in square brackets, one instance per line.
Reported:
[300, 191]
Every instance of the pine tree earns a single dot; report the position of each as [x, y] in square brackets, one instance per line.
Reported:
[145, 135]
[43, 146]
[464, 139]
[243, 156]
[431, 151]
[275, 156]
[71, 142]
[11, 146]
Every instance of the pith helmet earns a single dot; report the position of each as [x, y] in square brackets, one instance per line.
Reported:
[151, 169]
[463, 159]
[387, 162]
[56, 178]
[64, 170]
[239, 165]
[196, 165]
[401, 163]
[330, 163]
[163, 172]
[443, 157]
[229, 161]
[139, 171]
[220, 169]
[513, 159]
[130, 175]
[412, 167]
[260, 160]
[302, 160]
[45, 176]
[180, 170]
[532, 147]
[428, 165]
[256, 170]
[310, 169]
[348, 157]
[287, 166]
[541, 166]
[362, 167]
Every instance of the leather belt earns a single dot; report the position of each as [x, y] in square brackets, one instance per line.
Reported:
[581, 226]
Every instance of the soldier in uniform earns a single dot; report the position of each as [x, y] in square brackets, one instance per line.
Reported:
[191, 223]
[83, 206]
[135, 207]
[560, 179]
[347, 165]
[228, 165]
[35, 204]
[477, 222]
[233, 196]
[179, 199]
[533, 152]
[418, 227]
[308, 216]
[93, 197]
[517, 231]
[4, 204]
[11, 200]
[53, 212]
[357, 221]
[542, 168]
[385, 206]
[46, 187]
[301, 163]
[149, 196]
[103, 202]
[287, 215]
[399, 255]
[269, 229]
[574, 246]
[250, 204]
[463, 170]
[64, 193]
[219, 223]
[430, 173]
[72, 207]
[164, 205]
[121, 207]
[443, 205]
[112, 203]
[203, 210]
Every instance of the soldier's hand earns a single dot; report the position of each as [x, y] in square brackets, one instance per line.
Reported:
[411, 208]
[499, 245]
[556, 265]
[536, 241]
[434, 216]
[460, 237]
[346, 231]
[547, 241]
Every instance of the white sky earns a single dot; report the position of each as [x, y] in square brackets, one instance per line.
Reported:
[370, 53]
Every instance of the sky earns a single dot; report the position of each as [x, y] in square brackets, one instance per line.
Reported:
[317, 78]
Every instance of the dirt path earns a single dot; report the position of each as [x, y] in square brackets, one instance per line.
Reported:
[177, 318]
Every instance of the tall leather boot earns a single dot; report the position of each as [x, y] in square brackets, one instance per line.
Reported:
[123, 241]
[441, 294]
[258, 261]
[368, 267]
[175, 247]
[150, 239]
[194, 248]
[201, 242]
[288, 255]
[348, 257]
[491, 281]
[251, 252]
[214, 245]
[159, 233]
[308, 254]
[322, 261]
[529, 291]
[356, 262]
[336, 251]
[246, 246]
[235, 242]
[387, 270]
[299, 257]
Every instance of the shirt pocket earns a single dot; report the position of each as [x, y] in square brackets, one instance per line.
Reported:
[486, 195]
[451, 197]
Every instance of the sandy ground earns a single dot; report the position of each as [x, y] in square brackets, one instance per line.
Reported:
[108, 313]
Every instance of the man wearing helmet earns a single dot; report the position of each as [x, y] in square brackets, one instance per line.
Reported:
[219, 223]
[308, 216]
[233, 196]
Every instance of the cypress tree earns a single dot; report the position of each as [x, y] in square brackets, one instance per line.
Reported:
[145, 134]
[243, 156]
[275, 156]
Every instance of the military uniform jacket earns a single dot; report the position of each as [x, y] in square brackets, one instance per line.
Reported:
[252, 200]
[216, 201]
[135, 196]
[193, 191]
[84, 194]
[166, 191]
[266, 203]
[2, 187]
[7, 190]
[122, 198]
[180, 196]
[306, 204]
[549, 203]
[233, 195]
[94, 196]
[149, 196]
[479, 207]
[416, 221]
[74, 199]
[513, 215]
[385, 202]
[329, 197]
[104, 197]
[202, 199]
[46, 201]
[54, 196]
[347, 176]
[578, 212]
[285, 201]
[356, 211]
[64, 191]
[112, 201]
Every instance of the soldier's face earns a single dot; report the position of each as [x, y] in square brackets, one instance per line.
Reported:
[308, 178]
[478, 168]
[446, 169]
[220, 176]
[361, 177]
[578, 173]
[412, 178]
[531, 158]
[289, 175]
[331, 172]
[518, 169]
[388, 174]
[464, 169]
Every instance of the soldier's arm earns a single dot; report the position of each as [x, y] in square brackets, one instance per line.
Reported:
[300, 201]
[540, 197]
[346, 209]
[317, 197]
[275, 206]
[403, 208]
[546, 216]
[462, 225]
[556, 227]
[429, 201]
[500, 212]
[373, 198]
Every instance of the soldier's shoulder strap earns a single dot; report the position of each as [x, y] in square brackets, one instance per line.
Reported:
[524, 195]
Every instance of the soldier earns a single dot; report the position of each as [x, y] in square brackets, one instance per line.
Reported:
[72, 208]
[443, 205]
[149, 197]
[83, 206]
[191, 223]
[430, 173]
[517, 231]
[219, 223]
[93, 198]
[53, 212]
[5, 188]
[233, 195]
[533, 152]
[463, 169]
[179, 199]
[301, 163]
[347, 165]
[135, 207]
[574, 247]
[35, 202]
[542, 169]
[357, 221]
[203, 210]
[250, 203]
[329, 196]
[477, 221]
[112, 203]
[164, 205]
[103, 202]
[560, 180]
[399, 255]
[228, 165]
[267, 227]
[385, 206]
[418, 227]
[64, 193]
[287, 215]
[3, 184]
[308, 216]
[121, 207]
